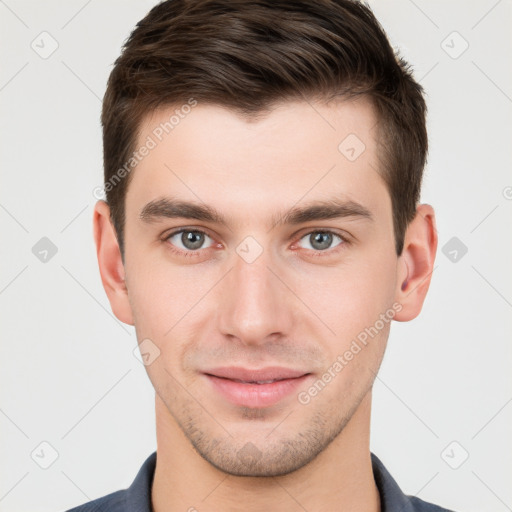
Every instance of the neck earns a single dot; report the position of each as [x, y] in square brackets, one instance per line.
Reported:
[340, 478]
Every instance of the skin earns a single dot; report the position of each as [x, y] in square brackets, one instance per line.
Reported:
[295, 306]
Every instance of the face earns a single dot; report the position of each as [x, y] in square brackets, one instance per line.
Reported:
[264, 250]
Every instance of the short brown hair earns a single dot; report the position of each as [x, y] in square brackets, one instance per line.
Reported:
[247, 55]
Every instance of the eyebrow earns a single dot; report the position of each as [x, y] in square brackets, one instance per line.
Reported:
[169, 208]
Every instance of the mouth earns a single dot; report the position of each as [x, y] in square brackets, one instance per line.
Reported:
[255, 388]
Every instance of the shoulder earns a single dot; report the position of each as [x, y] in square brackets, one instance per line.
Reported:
[136, 498]
[391, 496]
[113, 502]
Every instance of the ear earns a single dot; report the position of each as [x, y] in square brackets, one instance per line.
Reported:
[110, 263]
[416, 263]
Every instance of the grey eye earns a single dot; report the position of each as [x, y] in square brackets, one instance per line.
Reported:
[190, 240]
[321, 240]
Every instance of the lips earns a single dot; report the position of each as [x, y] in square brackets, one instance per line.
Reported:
[255, 388]
[263, 375]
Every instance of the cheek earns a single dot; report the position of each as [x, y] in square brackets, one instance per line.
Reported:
[165, 304]
[350, 297]
[166, 299]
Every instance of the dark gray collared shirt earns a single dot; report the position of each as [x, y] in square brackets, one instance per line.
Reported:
[137, 498]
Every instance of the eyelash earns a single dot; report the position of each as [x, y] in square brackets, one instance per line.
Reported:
[190, 254]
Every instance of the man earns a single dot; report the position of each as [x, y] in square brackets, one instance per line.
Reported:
[263, 165]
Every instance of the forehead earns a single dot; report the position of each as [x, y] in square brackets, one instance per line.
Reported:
[299, 151]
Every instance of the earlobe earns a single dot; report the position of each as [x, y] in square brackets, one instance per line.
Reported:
[110, 263]
[416, 263]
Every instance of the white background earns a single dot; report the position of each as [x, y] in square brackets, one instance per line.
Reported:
[68, 375]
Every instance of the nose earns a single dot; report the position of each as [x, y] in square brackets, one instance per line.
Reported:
[256, 304]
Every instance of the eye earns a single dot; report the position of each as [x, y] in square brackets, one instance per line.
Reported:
[322, 240]
[188, 240]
